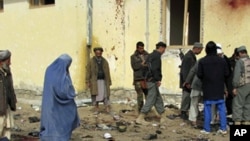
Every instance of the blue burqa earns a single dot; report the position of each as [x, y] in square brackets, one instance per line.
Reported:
[59, 116]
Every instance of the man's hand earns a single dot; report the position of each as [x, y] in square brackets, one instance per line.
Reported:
[158, 83]
[234, 92]
[226, 93]
[88, 84]
[187, 85]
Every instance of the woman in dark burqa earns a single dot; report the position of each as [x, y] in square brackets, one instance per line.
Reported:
[59, 116]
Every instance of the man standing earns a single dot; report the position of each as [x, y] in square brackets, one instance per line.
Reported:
[229, 98]
[188, 62]
[154, 78]
[137, 61]
[241, 91]
[213, 71]
[98, 80]
[196, 94]
[7, 95]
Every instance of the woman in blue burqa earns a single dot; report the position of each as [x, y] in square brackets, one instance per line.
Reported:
[59, 116]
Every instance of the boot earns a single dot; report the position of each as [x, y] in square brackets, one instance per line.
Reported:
[107, 109]
[163, 117]
[184, 115]
[141, 120]
[155, 113]
[246, 123]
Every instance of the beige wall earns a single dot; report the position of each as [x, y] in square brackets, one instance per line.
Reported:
[36, 36]
[227, 22]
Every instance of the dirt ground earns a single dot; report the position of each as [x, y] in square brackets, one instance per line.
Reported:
[93, 127]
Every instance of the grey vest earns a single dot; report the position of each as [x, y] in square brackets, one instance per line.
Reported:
[245, 76]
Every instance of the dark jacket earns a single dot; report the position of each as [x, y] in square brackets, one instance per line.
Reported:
[193, 79]
[154, 60]
[187, 63]
[232, 62]
[136, 64]
[7, 93]
[213, 71]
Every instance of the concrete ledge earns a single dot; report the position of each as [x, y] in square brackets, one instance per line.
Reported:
[117, 95]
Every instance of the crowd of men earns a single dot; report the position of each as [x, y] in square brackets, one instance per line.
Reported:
[221, 83]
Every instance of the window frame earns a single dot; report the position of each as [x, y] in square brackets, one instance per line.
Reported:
[166, 27]
[40, 3]
[1, 5]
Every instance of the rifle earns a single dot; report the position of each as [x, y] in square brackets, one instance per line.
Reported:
[181, 55]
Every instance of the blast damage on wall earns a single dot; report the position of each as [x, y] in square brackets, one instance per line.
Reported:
[235, 4]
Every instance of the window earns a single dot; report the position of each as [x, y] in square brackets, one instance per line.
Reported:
[1, 4]
[41, 2]
[183, 22]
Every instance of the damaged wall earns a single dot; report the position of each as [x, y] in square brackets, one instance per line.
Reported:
[226, 22]
[36, 36]
[119, 26]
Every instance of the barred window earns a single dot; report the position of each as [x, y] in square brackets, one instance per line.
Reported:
[41, 2]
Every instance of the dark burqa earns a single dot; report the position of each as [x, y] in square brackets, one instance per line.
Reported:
[59, 116]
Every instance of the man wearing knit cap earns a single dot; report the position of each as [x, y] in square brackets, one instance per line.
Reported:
[7, 95]
[188, 62]
[241, 91]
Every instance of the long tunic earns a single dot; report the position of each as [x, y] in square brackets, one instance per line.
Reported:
[91, 75]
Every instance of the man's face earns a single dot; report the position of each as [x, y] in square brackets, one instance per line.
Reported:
[241, 54]
[220, 55]
[197, 51]
[98, 53]
[162, 50]
[140, 49]
[6, 64]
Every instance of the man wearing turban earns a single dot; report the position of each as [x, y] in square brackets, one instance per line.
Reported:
[7, 95]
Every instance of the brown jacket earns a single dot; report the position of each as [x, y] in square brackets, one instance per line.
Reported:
[91, 75]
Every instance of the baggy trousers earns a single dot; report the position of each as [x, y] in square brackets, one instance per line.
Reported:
[194, 110]
[185, 101]
[141, 93]
[241, 104]
[153, 99]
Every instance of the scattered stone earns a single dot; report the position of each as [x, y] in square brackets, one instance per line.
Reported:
[125, 110]
[87, 136]
[36, 107]
[33, 119]
[171, 106]
[17, 116]
[150, 137]
[34, 134]
[103, 127]
[158, 132]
